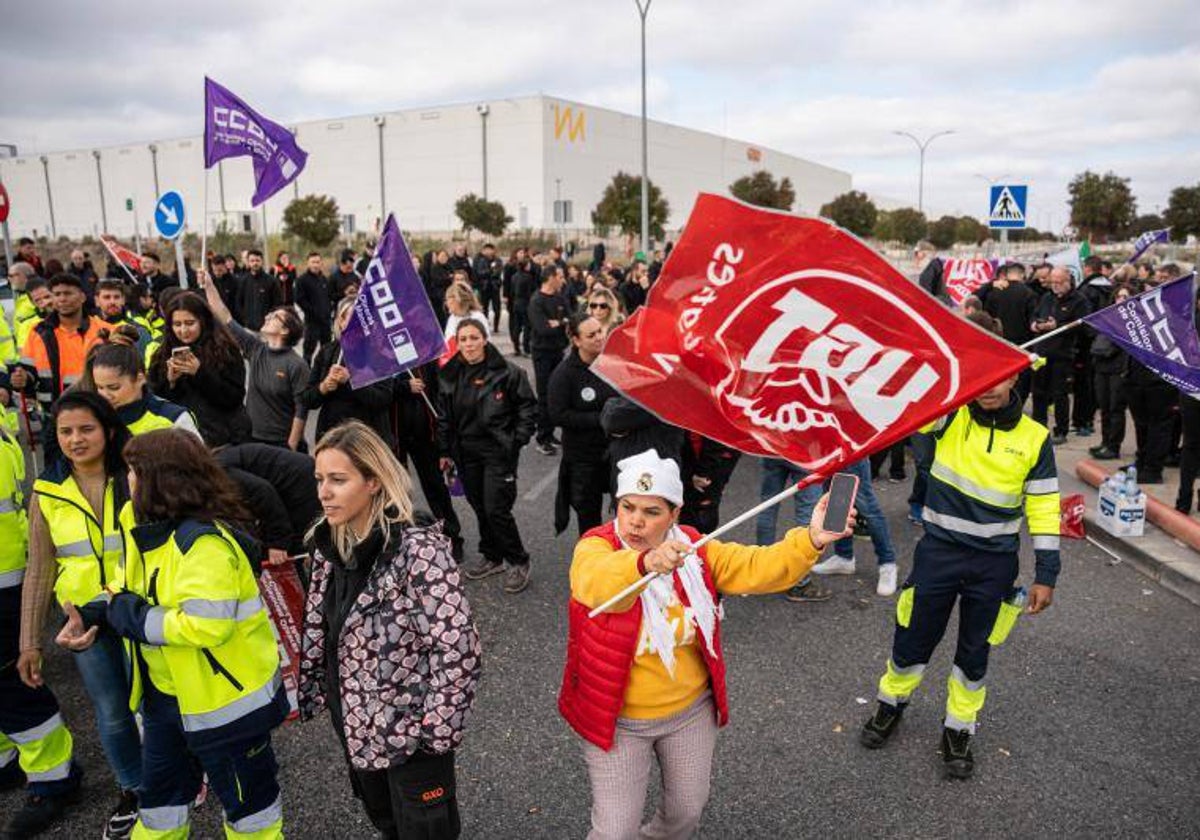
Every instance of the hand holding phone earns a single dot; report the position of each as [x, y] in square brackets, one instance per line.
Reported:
[833, 516]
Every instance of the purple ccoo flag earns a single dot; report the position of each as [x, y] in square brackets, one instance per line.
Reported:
[233, 129]
[1158, 329]
[393, 328]
[1147, 239]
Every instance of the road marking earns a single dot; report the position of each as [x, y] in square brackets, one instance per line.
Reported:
[540, 488]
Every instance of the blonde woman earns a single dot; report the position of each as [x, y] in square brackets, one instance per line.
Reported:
[461, 303]
[329, 388]
[603, 305]
[386, 601]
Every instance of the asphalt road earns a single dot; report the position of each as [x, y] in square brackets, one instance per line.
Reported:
[1090, 730]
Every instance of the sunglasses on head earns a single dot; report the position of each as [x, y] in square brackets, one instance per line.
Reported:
[598, 306]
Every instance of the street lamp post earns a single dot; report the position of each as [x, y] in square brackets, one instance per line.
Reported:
[643, 7]
[100, 183]
[921, 147]
[380, 122]
[483, 111]
[49, 196]
[154, 166]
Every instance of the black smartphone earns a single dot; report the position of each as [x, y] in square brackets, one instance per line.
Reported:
[843, 487]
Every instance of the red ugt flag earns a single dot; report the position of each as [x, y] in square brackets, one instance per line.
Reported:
[121, 254]
[788, 337]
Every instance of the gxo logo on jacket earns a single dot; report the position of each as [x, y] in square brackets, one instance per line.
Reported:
[808, 366]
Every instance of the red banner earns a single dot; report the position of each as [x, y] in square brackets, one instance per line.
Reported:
[121, 254]
[284, 596]
[786, 336]
[964, 278]
[1071, 513]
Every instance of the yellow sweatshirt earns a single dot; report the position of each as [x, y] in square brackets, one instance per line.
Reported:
[598, 573]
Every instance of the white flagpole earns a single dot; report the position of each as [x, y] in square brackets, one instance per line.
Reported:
[786, 494]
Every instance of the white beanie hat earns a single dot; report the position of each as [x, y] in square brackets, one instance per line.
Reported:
[647, 474]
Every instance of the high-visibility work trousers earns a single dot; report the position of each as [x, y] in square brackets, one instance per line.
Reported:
[242, 773]
[945, 573]
[32, 731]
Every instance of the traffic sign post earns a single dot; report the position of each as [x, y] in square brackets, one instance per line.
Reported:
[1007, 203]
[169, 217]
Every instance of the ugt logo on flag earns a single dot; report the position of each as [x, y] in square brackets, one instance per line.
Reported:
[787, 337]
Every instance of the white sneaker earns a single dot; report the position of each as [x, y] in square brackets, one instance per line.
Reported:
[835, 566]
[887, 580]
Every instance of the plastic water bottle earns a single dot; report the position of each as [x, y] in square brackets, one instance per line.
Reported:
[1131, 488]
[1131, 475]
[1019, 598]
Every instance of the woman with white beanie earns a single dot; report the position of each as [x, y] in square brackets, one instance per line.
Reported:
[647, 678]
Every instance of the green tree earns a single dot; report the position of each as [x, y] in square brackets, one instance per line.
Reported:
[482, 215]
[621, 207]
[908, 225]
[970, 230]
[885, 230]
[941, 232]
[1183, 212]
[853, 211]
[312, 218]
[762, 190]
[1145, 222]
[1102, 206]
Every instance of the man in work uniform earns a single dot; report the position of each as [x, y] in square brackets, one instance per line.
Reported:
[992, 466]
[35, 745]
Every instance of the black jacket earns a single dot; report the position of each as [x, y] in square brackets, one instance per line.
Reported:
[932, 280]
[415, 425]
[1108, 359]
[312, 296]
[371, 405]
[279, 489]
[1070, 307]
[543, 309]
[257, 294]
[487, 272]
[632, 430]
[632, 295]
[575, 399]
[339, 281]
[520, 285]
[463, 263]
[1015, 306]
[486, 409]
[216, 398]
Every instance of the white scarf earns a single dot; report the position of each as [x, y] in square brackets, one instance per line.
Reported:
[656, 598]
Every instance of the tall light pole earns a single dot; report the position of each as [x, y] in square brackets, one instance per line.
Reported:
[380, 122]
[10, 151]
[643, 7]
[921, 147]
[154, 166]
[483, 111]
[49, 196]
[100, 183]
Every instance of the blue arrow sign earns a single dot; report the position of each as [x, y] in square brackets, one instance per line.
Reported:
[1006, 204]
[169, 215]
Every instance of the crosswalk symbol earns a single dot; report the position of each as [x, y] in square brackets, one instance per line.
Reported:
[1007, 207]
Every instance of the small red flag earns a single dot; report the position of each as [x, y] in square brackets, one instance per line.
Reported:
[785, 336]
[964, 278]
[121, 254]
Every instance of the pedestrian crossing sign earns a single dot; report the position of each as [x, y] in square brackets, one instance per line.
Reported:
[1007, 206]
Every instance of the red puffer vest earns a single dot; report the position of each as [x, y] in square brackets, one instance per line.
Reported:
[600, 655]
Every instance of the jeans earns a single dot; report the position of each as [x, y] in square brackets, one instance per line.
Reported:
[778, 474]
[105, 672]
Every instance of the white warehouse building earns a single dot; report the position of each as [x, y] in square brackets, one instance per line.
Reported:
[527, 153]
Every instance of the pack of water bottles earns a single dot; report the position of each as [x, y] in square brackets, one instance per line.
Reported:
[1122, 507]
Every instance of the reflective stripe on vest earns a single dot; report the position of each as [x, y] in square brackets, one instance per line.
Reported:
[84, 548]
[9, 505]
[239, 708]
[975, 529]
[972, 488]
[13, 578]
[260, 820]
[164, 818]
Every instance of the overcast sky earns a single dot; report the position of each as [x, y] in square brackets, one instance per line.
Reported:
[1034, 91]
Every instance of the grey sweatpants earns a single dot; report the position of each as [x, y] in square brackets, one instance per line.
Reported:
[683, 745]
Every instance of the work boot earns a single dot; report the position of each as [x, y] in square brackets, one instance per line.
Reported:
[808, 590]
[39, 813]
[483, 568]
[956, 753]
[517, 578]
[876, 731]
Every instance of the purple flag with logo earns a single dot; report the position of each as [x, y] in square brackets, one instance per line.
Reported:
[1158, 329]
[393, 328]
[1147, 239]
[233, 129]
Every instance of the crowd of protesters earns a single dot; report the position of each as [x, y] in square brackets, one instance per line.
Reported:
[172, 422]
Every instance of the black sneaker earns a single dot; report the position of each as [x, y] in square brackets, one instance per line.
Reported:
[956, 753]
[517, 579]
[810, 590]
[12, 776]
[1058, 440]
[876, 731]
[123, 818]
[484, 568]
[39, 813]
[1103, 453]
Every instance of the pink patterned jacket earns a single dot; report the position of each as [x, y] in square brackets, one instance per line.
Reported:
[409, 653]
